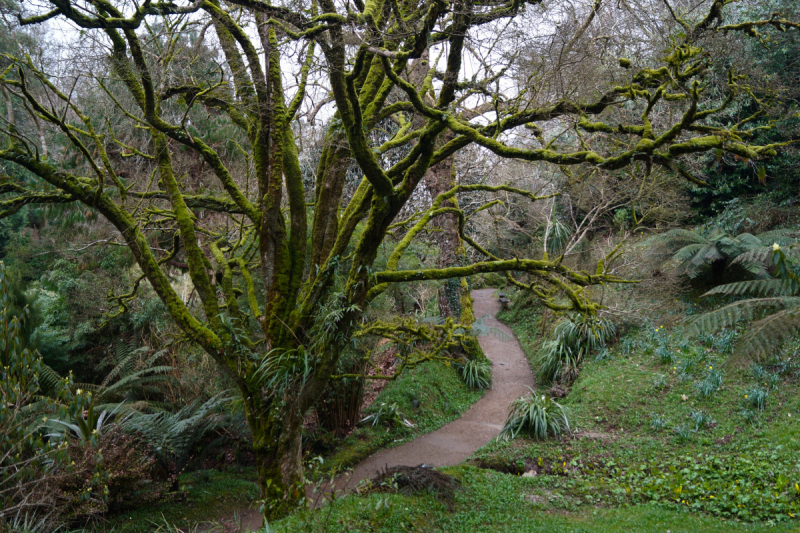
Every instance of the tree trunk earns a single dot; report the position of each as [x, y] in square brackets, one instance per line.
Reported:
[441, 178]
[277, 443]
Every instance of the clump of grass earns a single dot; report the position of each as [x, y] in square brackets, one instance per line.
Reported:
[476, 373]
[701, 419]
[658, 422]
[664, 354]
[709, 385]
[387, 414]
[756, 397]
[660, 382]
[537, 416]
[684, 432]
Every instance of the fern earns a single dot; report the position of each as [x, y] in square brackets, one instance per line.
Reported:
[774, 313]
[757, 287]
[696, 252]
[173, 435]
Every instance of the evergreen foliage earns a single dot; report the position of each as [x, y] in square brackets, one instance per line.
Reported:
[772, 315]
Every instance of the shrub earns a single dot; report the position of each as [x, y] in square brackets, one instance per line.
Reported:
[537, 416]
[130, 475]
[30, 464]
[476, 373]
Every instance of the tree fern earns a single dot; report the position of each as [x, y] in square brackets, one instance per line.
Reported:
[774, 314]
[756, 287]
[173, 435]
[696, 253]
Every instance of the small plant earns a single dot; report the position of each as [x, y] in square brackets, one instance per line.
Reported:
[756, 397]
[664, 354]
[684, 432]
[604, 355]
[772, 380]
[751, 417]
[628, 345]
[658, 422]
[710, 384]
[388, 414]
[686, 367]
[759, 372]
[476, 373]
[701, 419]
[660, 382]
[723, 342]
[537, 416]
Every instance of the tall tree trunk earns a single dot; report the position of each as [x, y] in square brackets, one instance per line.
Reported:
[441, 178]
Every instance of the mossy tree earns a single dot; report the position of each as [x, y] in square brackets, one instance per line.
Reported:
[279, 333]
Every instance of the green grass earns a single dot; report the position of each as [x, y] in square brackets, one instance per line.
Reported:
[209, 495]
[430, 396]
[743, 466]
[493, 502]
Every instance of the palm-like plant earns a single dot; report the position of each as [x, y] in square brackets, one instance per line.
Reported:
[537, 416]
[698, 253]
[573, 338]
[773, 309]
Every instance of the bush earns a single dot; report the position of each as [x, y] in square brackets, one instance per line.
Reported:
[30, 464]
[536, 416]
[130, 476]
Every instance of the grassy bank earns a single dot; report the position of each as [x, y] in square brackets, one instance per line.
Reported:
[490, 501]
[669, 437]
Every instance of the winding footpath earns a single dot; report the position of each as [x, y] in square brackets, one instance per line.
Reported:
[453, 443]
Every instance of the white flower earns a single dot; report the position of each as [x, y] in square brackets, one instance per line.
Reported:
[776, 247]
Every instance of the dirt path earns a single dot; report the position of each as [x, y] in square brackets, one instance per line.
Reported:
[452, 444]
